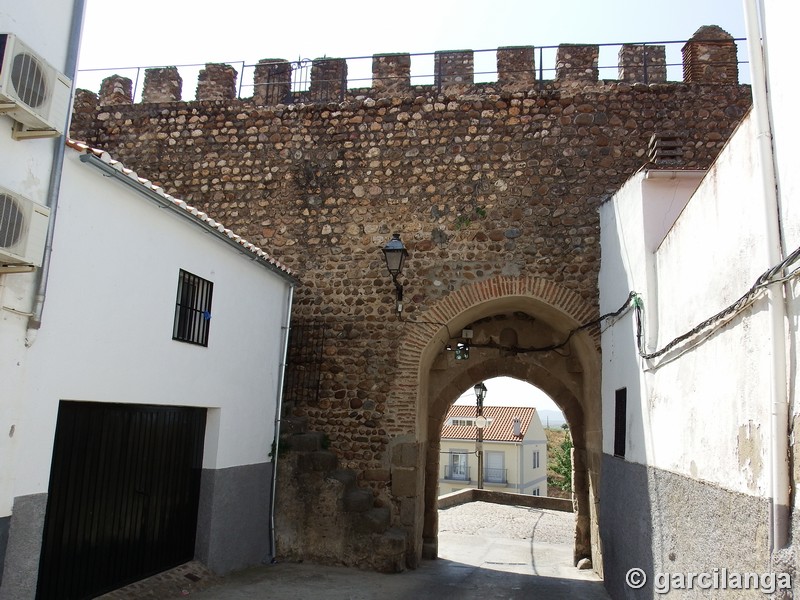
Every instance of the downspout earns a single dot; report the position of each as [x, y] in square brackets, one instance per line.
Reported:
[779, 406]
[42, 274]
[278, 407]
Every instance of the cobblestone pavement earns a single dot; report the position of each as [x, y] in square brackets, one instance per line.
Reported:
[515, 522]
[486, 551]
[180, 582]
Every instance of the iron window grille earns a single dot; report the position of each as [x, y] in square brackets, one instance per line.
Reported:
[192, 309]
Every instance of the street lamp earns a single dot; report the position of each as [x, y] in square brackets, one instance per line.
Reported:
[395, 254]
[480, 423]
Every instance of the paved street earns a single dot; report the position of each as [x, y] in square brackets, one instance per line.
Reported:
[487, 551]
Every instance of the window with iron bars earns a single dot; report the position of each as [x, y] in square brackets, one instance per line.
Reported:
[192, 309]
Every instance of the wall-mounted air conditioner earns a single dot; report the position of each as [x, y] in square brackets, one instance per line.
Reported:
[23, 230]
[32, 92]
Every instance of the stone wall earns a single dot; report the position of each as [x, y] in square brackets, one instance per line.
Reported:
[481, 181]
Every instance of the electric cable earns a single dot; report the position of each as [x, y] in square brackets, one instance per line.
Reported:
[764, 280]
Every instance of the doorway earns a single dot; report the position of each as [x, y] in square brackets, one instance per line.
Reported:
[123, 496]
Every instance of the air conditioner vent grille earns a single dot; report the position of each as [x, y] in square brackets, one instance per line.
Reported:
[23, 230]
[29, 80]
[12, 221]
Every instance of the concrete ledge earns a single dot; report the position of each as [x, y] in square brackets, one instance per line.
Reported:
[473, 495]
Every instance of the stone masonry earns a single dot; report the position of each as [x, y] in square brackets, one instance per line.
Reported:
[484, 182]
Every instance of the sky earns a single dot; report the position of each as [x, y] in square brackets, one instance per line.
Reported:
[507, 391]
[184, 32]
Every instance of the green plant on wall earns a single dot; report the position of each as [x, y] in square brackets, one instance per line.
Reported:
[465, 220]
[561, 465]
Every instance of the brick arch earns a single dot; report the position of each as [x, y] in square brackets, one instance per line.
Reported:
[566, 305]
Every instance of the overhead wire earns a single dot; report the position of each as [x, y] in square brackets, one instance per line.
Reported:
[764, 280]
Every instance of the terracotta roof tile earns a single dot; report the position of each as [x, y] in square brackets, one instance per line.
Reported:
[500, 428]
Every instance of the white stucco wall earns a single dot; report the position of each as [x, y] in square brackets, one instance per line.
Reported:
[25, 169]
[108, 320]
[704, 414]
[780, 35]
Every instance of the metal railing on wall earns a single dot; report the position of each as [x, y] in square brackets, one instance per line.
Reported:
[358, 72]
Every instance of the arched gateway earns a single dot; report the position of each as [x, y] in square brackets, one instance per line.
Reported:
[512, 320]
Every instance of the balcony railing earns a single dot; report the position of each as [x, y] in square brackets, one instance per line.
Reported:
[495, 475]
[457, 473]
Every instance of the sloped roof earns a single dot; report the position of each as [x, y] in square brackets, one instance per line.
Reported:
[501, 428]
[191, 212]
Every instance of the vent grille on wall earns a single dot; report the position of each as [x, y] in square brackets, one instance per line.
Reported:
[23, 230]
[32, 92]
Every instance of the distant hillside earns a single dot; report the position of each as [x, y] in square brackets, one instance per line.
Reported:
[551, 418]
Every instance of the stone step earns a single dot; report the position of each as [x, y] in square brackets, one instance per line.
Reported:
[358, 500]
[389, 551]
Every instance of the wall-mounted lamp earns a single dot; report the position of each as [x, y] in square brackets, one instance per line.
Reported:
[395, 254]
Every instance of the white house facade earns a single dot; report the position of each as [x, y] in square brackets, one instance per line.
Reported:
[39, 45]
[514, 451]
[158, 366]
[699, 379]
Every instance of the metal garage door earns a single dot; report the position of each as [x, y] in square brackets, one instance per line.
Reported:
[123, 497]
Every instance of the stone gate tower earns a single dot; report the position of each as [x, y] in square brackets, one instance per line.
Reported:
[494, 189]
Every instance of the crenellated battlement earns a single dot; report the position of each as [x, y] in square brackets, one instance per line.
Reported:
[709, 57]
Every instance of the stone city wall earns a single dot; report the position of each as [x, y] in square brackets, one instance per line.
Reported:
[480, 180]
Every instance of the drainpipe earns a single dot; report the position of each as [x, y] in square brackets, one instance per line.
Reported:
[779, 406]
[278, 406]
[42, 274]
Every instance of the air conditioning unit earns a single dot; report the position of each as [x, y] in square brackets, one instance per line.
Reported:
[23, 230]
[32, 92]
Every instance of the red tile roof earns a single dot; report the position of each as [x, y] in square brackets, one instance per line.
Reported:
[500, 429]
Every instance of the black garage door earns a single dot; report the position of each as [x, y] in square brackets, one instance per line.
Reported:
[123, 496]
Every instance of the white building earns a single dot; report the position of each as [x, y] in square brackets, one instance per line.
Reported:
[141, 353]
[158, 367]
[700, 374]
[514, 450]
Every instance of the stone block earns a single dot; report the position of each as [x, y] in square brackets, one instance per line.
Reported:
[408, 511]
[404, 482]
[405, 455]
[377, 475]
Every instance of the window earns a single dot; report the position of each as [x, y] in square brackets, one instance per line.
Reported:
[495, 471]
[193, 309]
[466, 422]
[535, 459]
[535, 492]
[620, 421]
[458, 467]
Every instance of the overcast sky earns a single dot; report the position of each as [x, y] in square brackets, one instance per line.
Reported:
[179, 32]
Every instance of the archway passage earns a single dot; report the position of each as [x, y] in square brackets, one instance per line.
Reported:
[514, 327]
